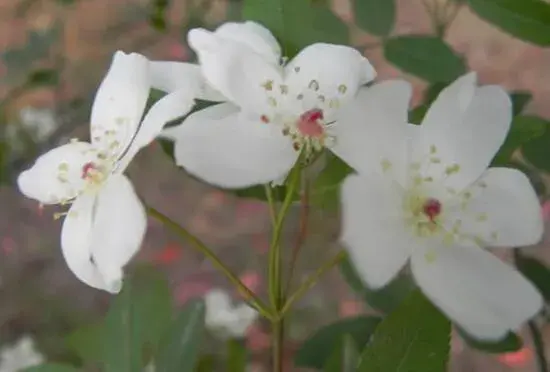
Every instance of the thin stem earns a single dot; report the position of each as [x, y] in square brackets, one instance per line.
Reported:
[311, 281]
[200, 246]
[277, 329]
[274, 269]
[302, 233]
[539, 346]
[271, 202]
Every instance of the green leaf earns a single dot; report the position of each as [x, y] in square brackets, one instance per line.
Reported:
[43, 77]
[297, 23]
[316, 350]
[427, 57]
[528, 20]
[136, 320]
[51, 367]
[236, 356]
[344, 358]
[385, 299]
[523, 130]
[519, 101]
[510, 344]
[87, 342]
[537, 151]
[179, 348]
[375, 16]
[325, 190]
[536, 272]
[413, 338]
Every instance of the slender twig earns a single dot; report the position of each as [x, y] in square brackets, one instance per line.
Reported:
[539, 347]
[277, 329]
[311, 281]
[200, 246]
[271, 203]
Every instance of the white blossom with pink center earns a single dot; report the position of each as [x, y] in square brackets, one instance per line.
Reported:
[425, 194]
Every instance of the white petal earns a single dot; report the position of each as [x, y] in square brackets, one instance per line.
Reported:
[253, 35]
[171, 76]
[224, 148]
[56, 176]
[327, 75]
[501, 209]
[371, 133]
[373, 229]
[120, 101]
[75, 242]
[486, 297]
[235, 70]
[172, 106]
[101, 234]
[465, 126]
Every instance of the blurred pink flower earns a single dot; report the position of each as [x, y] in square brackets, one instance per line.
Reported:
[177, 51]
[350, 308]
[546, 210]
[189, 290]
[252, 280]
[257, 339]
[8, 245]
[516, 359]
[168, 254]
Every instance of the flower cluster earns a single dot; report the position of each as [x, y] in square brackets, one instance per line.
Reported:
[422, 194]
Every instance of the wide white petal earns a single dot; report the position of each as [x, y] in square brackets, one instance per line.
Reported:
[120, 101]
[56, 176]
[371, 133]
[235, 70]
[253, 35]
[327, 76]
[486, 297]
[171, 76]
[172, 106]
[373, 229]
[222, 147]
[119, 226]
[501, 209]
[76, 236]
[462, 132]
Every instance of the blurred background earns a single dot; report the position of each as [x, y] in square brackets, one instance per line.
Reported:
[53, 56]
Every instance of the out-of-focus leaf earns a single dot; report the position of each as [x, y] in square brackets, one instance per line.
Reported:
[179, 348]
[51, 367]
[297, 23]
[528, 20]
[344, 357]
[427, 57]
[317, 349]
[325, 190]
[414, 338]
[537, 151]
[236, 356]
[385, 299]
[43, 77]
[375, 16]
[519, 101]
[523, 130]
[87, 342]
[510, 344]
[536, 272]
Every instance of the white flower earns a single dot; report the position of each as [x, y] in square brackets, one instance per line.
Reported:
[273, 111]
[224, 318]
[424, 193]
[106, 222]
[20, 355]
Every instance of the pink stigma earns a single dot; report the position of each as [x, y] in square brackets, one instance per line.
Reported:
[86, 168]
[432, 208]
[309, 125]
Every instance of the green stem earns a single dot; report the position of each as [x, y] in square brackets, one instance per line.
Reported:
[311, 281]
[271, 203]
[539, 347]
[277, 344]
[200, 246]
[274, 267]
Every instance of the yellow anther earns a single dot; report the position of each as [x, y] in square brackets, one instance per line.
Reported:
[314, 85]
[386, 164]
[342, 89]
[334, 103]
[268, 85]
[284, 89]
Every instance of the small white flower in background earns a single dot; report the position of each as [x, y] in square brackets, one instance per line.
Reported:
[106, 222]
[20, 355]
[148, 368]
[425, 194]
[272, 111]
[225, 319]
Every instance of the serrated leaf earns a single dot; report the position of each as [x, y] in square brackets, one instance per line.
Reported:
[51, 367]
[537, 151]
[509, 344]
[179, 348]
[536, 272]
[427, 57]
[528, 20]
[316, 350]
[375, 16]
[413, 338]
[385, 299]
[523, 130]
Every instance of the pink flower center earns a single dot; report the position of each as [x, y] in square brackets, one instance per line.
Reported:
[432, 208]
[88, 169]
[309, 124]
